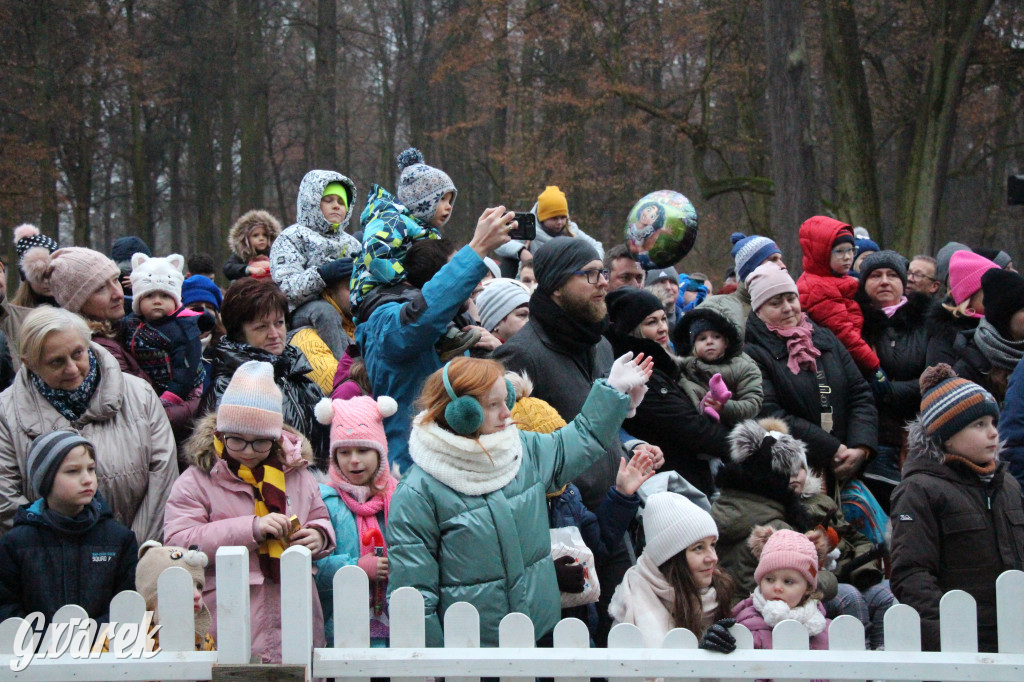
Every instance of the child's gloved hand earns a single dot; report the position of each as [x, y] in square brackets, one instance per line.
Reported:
[335, 269]
[718, 638]
[880, 385]
[569, 575]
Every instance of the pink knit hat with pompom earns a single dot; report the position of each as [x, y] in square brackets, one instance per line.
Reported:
[788, 549]
[358, 422]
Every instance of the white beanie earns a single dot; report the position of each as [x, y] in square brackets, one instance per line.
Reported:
[499, 298]
[672, 523]
[156, 274]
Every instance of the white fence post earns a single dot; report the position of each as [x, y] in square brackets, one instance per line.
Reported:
[571, 633]
[1010, 612]
[789, 635]
[408, 624]
[63, 615]
[297, 609]
[174, 603]
[625, 636]
[234, 639]
[351, 599]
[958, 622]
[515, 631]
[462, 629]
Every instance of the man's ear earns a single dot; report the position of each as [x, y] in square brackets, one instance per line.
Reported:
[556, 296]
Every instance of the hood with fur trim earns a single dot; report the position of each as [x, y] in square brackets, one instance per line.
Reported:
[238, 235]
[733, 335]
[768, 437]
[311, 191]
[199, 448]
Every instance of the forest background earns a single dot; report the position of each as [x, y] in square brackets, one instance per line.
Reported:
[168, 118]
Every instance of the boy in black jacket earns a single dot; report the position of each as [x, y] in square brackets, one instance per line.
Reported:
[66, 547]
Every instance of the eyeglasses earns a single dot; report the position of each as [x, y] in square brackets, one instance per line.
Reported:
[843, 252]
[593, 276]
[260, 445]
[920, 275]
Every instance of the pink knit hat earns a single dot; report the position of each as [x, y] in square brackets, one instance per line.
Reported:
[965, 271]
[358, 422]
[76, 273]
[252, 404]
[766, 281]
[788, 549]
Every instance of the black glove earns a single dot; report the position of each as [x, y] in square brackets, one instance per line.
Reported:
[880, 385]
[335, 271]
[569, 574]
[718, 638]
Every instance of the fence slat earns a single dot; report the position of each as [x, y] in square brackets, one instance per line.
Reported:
[789, 635]
[297, 609]
[64, 614]
[462, 629]
[9, 635]
[174, 602]
[902, 628]
[571, 633]
[1009, 612]
[515, 631]
[625, 636]
[744, 642]
[679, 638]
[408, 624]
[234, 641]
[958, 622]
[351, 611]
[846, 633]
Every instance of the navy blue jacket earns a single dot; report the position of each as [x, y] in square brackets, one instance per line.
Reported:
[599, 530]
[48, 561]
[1011, 424]
[169, 351]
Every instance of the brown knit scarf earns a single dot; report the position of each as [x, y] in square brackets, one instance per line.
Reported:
[986, 470]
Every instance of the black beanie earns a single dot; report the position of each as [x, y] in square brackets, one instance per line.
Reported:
[629, 306]
[556, 261]
[1004, 296]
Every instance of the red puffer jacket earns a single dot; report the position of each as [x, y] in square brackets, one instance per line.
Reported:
[828, 299]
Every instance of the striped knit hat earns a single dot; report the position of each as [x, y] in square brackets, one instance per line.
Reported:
[949, 403]
[749, 252]
[46, 455]
[252, 403]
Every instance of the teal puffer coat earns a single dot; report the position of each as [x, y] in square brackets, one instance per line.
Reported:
[494, 550]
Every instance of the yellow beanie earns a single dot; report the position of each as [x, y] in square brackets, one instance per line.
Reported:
[551, 203]
[533, 414]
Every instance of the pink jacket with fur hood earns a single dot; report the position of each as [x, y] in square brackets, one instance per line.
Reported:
[211, 507]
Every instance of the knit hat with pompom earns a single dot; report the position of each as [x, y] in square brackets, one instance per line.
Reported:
[358, 423]
[781, 549]
[529, 413]
[949, 403]
[27, 238]
[421, 187]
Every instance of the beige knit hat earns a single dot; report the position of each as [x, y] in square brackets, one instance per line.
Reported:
[76, 273]
[672, 523]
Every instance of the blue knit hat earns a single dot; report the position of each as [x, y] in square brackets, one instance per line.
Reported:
[201, 289]
[749, 252]
[864, 245]
[122, 250]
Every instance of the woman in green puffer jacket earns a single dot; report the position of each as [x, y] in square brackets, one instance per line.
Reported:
[469, 522]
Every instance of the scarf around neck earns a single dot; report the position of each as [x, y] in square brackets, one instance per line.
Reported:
[468, 466]
[802, 353]
[267, 480]
[775, 611]
[71, 404]
[998, 350]
[569, 333]
[365, 506]
[890, 310]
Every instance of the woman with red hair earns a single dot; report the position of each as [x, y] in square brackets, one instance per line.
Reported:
[469, 521]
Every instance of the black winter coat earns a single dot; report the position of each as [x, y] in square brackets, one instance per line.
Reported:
[235, 268]
[795, 397]
[942, 330]
[48, 561]
[953, 531]
[901, 344]
[668, 418]
[301, 394]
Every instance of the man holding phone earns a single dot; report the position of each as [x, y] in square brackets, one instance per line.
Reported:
[552, 211]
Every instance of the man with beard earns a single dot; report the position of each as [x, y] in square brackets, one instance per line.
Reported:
[563, 350]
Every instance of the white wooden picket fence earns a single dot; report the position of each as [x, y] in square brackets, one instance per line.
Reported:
[516, 659]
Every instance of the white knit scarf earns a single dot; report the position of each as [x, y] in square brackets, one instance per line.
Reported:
[469, 466]
[776, 611]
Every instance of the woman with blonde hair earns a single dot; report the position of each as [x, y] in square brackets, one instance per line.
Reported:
[469, 520]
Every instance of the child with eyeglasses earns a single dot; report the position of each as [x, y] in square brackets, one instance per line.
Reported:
[827, 293]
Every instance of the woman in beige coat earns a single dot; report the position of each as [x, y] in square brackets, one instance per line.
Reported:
[68, 382]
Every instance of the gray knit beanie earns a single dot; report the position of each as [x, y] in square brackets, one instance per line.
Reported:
[943, 257]
[499, 298]
[672, 523]
[46, 455]
[421, 187]
[557, 260]
[883, 259]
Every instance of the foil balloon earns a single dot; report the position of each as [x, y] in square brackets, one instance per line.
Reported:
[662, 225]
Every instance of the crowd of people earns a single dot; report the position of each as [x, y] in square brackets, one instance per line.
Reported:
[539, 426]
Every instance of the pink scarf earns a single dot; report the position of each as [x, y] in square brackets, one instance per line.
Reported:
[365, 508]
[802, 353]
[890, 310]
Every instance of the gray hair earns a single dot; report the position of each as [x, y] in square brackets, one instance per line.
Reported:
[42, 322]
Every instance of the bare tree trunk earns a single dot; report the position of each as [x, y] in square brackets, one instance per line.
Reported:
[789, 122]
[853, 132]
[955, 26]
[325, 139]
[252, 104]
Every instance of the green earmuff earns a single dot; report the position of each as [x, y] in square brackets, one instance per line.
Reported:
[464, 414]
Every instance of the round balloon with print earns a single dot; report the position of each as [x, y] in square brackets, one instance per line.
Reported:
[663, 225]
